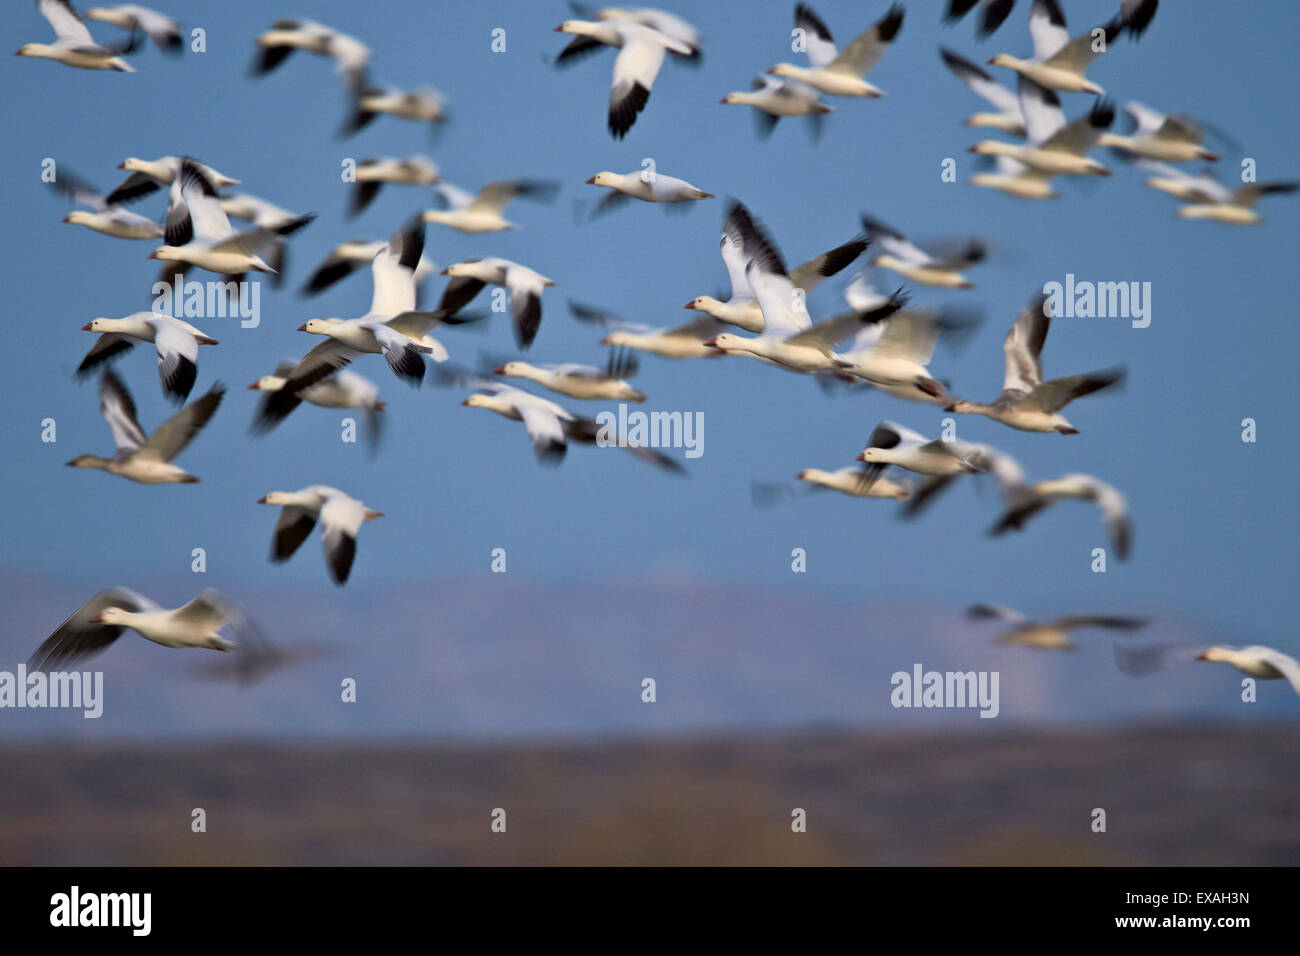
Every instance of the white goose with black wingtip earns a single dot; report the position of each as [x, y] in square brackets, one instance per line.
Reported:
[1009, 117]
[197, 232]
[351, 256]
[680, 342]
[894, 444]
[349, 54]
[1053, 146]
[393, 328]
[148, 459]
[1049, 635]
[840, 72]
[150, 175]
[1027, 402]
[935, 268]
[73, 44]
[524, 285]
[743, 240]
[100, 216]
[1031, 500]
[1059, 62]
[175, 340]
[483, 211]
[340, 517]
[161, 29]
[342, 389]
[99, 622]
[641, 52]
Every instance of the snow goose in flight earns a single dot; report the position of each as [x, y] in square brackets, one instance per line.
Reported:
[524, 286]
[350, 55]
[73, 44]
[150, 175]
[1059, 63]
[482, 212]
[1027, 402]
[1258, 660]
[670, 25]
[393, 327]
[992, 15]
[640, 55]
[267, 215]
[372, 173]
[1204, 197]
[1168, 137]
[197, 232]
[744, 239]
[893, 355]
[840, 73]
[343, 389]
[983, 459]
[176, 342]
[773, 99]
[1054, 146]
[101, 620]
[111, 220]
[348, 257]
[1009, 118]
[644, 185]
[423, 105]
[940, 268]
[550, 426]
[1049, 635]
[1016, 179]
[852, 480]
[162, 29]
[147, 459]
[340, 517]
[682, 342]
[585, 382]
[1028, 501]
[894, 444]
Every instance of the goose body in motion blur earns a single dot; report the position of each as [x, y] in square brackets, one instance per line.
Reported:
[175, 340]
[840, 72]
[1049, 635]
[73, 44]
[147, 459]
[1034, 499]
[106, 616]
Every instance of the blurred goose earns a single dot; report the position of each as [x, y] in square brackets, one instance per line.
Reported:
[640, 55]
[1009, 118]
[482, 212]
[774, 99]
[424, 105]
[150, 175]
[342, 389]
[101, 620]
[840, 73]
[937, 268]
[1054, 146]
[372, 173]
[392, 328]
[524, 286]
[340, 517]
[1031, 500]
[582, 381]
[1027, 402]
[670, 25]
[349, 54]
[894, 444]
[176, 342]
[197, 232]
[743, 240]
[162, 29]
[1059, 62]
[110, 220]
[1265, 663]
[147, 459]
[1207, 198]
[856, 481]
[551, 426]
[646, 186]
[1016, 179]
[1048, 635]
[73, 44]
[992, 14]
[1167, 137]
[348, 257]
[682, 342]
[983, 459]
[267, 215]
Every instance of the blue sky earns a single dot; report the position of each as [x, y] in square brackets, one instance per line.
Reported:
[1216, 522]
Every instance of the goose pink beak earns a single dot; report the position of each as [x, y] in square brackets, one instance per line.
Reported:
[86, 327]
[303, 327]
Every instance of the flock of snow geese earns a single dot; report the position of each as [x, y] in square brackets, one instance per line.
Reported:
[882, 341]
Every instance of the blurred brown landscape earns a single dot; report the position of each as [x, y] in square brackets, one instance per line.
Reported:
[1191, 795]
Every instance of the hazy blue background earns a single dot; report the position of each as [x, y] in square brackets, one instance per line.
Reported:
[618, 571]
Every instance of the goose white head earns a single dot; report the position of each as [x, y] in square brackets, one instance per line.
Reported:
[788, 70]
[605, 178]
[1216, 653]
[580, 28]
[134, 165]
[877, 455]
[962, 407]
[166, 254]
[1006, 59]
[467, 270]
[268, 383]
[79, 217]
[102, 325]
[317, 326]
[515, 369]
[704, 303]
[34, 49]
[114, 615]
[726, 341]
